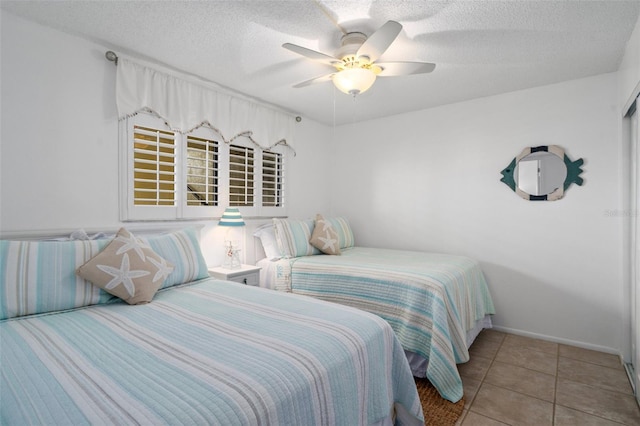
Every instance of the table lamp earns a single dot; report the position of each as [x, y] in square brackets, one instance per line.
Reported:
[231, 218]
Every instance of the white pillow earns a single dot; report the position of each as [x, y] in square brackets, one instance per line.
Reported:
[267, 235]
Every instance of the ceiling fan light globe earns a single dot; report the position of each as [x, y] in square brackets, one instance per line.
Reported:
[354, 81]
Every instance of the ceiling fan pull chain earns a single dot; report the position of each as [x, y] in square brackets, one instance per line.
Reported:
[334, 113]
[353, 118]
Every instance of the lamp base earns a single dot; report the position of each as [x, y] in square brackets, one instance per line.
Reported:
[231, 265]
[231, 258]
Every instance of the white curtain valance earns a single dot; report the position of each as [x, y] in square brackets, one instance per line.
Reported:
[185, 106]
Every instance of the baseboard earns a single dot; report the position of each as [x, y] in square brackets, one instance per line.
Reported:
[554, 339]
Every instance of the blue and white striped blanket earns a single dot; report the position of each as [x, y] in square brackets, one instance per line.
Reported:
[431, 300]
[208, 353]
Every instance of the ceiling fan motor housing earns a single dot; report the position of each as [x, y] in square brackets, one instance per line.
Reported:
[351, 42]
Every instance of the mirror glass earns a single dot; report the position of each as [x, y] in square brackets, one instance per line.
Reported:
[540, 173]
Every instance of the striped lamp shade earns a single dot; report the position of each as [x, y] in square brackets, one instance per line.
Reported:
[231, 217]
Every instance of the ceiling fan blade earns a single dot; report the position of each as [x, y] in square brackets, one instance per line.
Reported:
[380, 41]
[311, 54]
[315, 80]
[391, 69]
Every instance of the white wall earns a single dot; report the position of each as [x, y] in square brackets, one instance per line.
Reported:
[59, 130]
[59, 140]
[429, 180]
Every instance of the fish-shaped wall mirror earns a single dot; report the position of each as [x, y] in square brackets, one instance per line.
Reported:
[542, 173]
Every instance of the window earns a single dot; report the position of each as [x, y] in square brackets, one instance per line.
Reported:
[154, 164]
[241, 176]
[271, 179]
[202, 172]
[167, 175]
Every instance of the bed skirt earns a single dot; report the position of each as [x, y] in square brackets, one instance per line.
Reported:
[419, 363]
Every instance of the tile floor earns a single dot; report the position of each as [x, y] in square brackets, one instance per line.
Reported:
[516, 380]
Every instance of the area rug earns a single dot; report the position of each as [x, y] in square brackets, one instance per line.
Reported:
[437, 410]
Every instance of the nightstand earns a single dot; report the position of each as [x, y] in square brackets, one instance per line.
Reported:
[245, 274]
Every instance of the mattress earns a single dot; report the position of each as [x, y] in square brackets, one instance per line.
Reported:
[211, 352]
[432, 301]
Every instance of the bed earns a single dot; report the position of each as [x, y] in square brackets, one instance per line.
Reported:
[436, 303]
[199, 351]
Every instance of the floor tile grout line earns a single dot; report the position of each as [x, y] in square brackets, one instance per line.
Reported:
[591, 363]
[522, 393]
[533, 348]
[595, 386]
[484, 376]
[590, 414]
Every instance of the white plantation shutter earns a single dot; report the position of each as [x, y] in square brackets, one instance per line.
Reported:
[154, 162]
[241, 176]
[272, 179]
[150, 167]
[202, 172]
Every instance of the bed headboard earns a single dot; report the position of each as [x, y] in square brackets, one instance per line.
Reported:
[136, 228]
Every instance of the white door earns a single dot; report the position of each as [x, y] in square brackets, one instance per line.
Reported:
[635, 251]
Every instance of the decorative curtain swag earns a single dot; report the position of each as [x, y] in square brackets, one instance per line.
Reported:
[185, 106]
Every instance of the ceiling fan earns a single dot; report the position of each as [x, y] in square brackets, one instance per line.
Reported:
[355, 63]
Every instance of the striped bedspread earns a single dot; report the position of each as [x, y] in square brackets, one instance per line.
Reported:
[430, 300]
[212, 352]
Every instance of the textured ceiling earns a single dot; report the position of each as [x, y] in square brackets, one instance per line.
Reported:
[481, 48]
